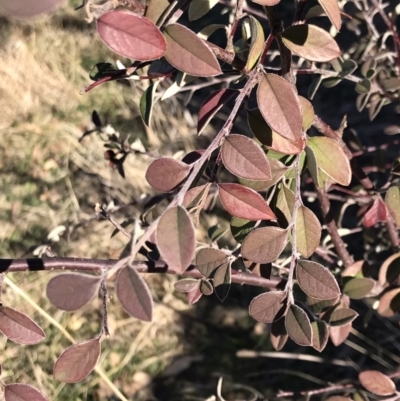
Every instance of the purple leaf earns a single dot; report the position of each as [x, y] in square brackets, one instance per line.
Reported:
[341, 317]
[377, 383]
[23, 392]
[131, 35]
[72, 291]
[134, 294]
[298, 326]
[208, 260]
[77, 361]
[265, 307]
[320, 335]
[18, 327]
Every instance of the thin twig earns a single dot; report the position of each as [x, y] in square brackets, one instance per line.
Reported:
[102, 212]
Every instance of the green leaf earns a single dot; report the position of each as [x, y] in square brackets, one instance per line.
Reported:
[147, 102]
[392, 201]
[308, 231]
[320, 335]
[198, 8]
[357, 288]
[341, 317]
[240, 228]
[256, 44]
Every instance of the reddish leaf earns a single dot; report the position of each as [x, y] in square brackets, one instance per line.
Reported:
[267, 2]
[392, 200]
[18, 327]
[72, 291]
[316, 280]
[389, 304]
[244, 158]
[24, 9]
[244, 202]
[311, 42]
[278, 334]
[390, 270]
[194, 196]
[188, 53]
[208, 260]
[308, 231]
[264, 245]
[212, 105]
[176, 238]
[377, 383]
[332, 10]
[23, 392]
[338, 334]
[280, 106]
[186, 285]
[320, 335]
[195, 294]
[265, 307]
[131, 35]
[134, 295]
[166, 173]
[298, 326]
[358, 288]
[77, 361]
[377, 212]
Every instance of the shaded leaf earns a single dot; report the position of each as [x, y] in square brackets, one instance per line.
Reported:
[308, 231]
[316, 280]
[166, 173]
[392, 200]
[222, 281]
[321, 305]
[390, 269]
[264, 245]
[307, 112]
[216, 232]
[206, 287]
[212, 105]
[298, 326]
[134, 295]
[390, 84]
[194, 196]
[244, 202]
[131, 35]
[240, 228]
[24, 9]
[176, 238]
[244, 158]
[147, 102]
[339, 334]
[72, 291]
[279, 105]
[332, 10]
[23, 392]
[331, 159]
[19, 327]
[357, 288]
[265, 307]
[256, 44]
[186, 284]
[376, 213]
[311, 42]
[278, 334]
[77, 361]
[389, 303]
[198, 8]
[377, 383]
[341, 317]
[188, 53]
[208, 260]
[320, 335]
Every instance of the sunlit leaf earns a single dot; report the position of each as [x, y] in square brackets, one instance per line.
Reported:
[131, 35]
[264, 245]
[390, 269]
[307, 112]
[166, 173]
[308, 231]
[376, 213]
[22, 392]
[72, 291]
[339, 334]
[134, 295]
[188, 53]
[377, 383]
[244, 202]
[332, 10]
[265, 307]
[285, 202]
[357, 288]
[342, 316]
[320, 335]
[77, 361]
[256, 43]
[198, 8]
[280, 106]
[311, 42]
[298, 326]
[389, 303]
[278, 334]
[392, 200]
[186, 284]
[208, 260]
[320, 305]
[316, 280]
[24, 9]
[19, 327]
[176, 238]
[244, 158]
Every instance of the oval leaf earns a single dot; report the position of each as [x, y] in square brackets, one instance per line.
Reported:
[244, 158]
[22, 392]
[186, 285]
[195, 196]
[298, 326]
[77, 361]
[316, 280]
[240, 228]
[389, 304]
[278, 334]
[147, 102]
[307, 112]
[340, 317]
[358, 288]
[265, 307]
[392, 200]
[244, 202]
[311, 42]
[332, 10]
[390, 270]
[188, 53]
[166, 173]
[222, 281]
[377, 383]
[320, 335]
[208, 260]
[198, 8]
[176, 238]
[280, 106]
[264, 245]
[308, 231]
[134, 295]
[256, 44]
[72, 291]
[18, 327]
[376, 213]
[338, 334]
[131, 35]
[195, 294]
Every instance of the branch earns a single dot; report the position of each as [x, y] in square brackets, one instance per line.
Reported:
[98, 265]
